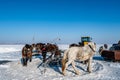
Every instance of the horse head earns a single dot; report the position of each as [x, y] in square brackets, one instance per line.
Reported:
[105, 46]
[27, 49]
[26, 54]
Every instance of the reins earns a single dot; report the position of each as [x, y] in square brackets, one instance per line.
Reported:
[91, 48]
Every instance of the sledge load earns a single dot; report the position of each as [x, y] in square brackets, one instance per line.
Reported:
[112, 54]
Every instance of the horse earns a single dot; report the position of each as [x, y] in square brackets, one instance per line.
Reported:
[73, 45]
[76, 45]
[26, 54]
[78, 53]
[39, 47]
[105, 46]
[101, 48]
[54, 50]
[45, 48]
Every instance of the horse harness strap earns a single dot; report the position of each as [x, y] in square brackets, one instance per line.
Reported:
[43, 49]
[91, 48]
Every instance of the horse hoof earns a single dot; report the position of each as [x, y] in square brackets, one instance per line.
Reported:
[64, 73]
[89, 71]
[25, 65]
[30, 60]
[78, 73]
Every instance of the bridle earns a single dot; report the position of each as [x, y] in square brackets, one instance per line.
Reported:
[91, 48]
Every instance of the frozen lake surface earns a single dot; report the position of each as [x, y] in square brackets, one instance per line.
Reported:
[11, 68]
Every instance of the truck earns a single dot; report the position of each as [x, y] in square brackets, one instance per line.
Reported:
[85, 40]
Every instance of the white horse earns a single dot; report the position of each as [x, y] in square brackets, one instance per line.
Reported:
[80, 53]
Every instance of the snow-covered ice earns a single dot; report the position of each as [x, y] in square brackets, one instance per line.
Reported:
[10, 48]
[11, 68]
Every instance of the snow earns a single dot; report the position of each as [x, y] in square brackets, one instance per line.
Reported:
[4, 66]
[10, 48]
[11, 68]
[63, 46]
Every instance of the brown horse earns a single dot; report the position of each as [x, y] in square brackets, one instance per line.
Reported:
[53, 48]
[45, 48]
[73, 45]
[39, 47]
[26, 54]
[76, 45]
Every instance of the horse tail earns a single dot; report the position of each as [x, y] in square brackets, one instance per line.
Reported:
[64, 59]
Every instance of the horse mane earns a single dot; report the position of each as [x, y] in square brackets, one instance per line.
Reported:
[40, 44]
[27, 46]
[76, 45]
[52, 47]
[73, 45]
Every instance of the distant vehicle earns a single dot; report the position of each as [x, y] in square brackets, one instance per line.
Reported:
[85, 40]
[115, 47]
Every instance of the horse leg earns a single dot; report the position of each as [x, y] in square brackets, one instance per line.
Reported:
[26, 59]
[30, 59]
[76, 71]
[66, 65]
[89, 66]
[44, 56]
[23, 61]
[51, 56]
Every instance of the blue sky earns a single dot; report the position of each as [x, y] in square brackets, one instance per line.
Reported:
[68, 20]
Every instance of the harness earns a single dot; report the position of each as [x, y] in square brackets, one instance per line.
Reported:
[43, 49]
[91, 48]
